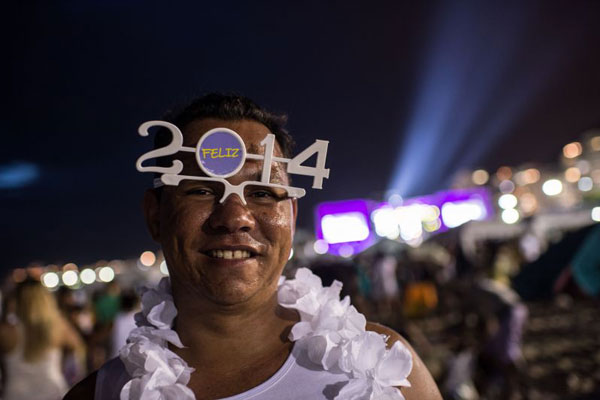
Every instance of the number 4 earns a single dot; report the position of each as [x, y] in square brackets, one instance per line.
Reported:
[319, 171]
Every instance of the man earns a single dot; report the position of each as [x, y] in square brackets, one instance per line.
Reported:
[225, 260]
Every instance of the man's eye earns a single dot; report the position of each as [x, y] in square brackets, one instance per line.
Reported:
[265, 195]
[200, 192]
[262, 194]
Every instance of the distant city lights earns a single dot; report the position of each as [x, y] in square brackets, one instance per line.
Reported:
[69, 267]
[527, 177]
[106, 274]
[456, 214]
[70, 278]
[410, 221]
[595, 174]
[395, 199]
[572, 150]
[163, 268]
[507, 201]
[480, 177]
[595, 143]
[346, 251]
[321, 246]
[148, 258]
[572, 174]
[510, 216]
[385, 223]
[504, 173]
[596, 214]
[87, 276]
[552, 187]
[528, 202]
[583, 166]
[585, 184]
[50, 280]
[506, 186]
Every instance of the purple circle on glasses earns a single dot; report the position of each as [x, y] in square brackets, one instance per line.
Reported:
[220, 152]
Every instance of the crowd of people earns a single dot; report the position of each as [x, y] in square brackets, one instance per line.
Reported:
[57, 338]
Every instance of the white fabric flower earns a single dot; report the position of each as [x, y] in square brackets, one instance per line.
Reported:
[157, 372]
[334, 334]
[331, 330]
[375, 370]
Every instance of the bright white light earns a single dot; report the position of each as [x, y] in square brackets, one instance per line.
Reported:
[50, 280]
[346, 251]
[343, 228]
[507, 201]
[87, 276]
[163, 268]
[106, 274]
[385, 223]
[409, 220]
[585, 184]
[552, 187]
[291, 254]
[506, 186]
[321, 246]
[596, 214]
[147, 258]
[69, 278]
[510, 216]
[456, 214]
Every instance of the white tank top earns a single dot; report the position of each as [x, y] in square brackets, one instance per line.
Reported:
[297, 379]
[39, 380]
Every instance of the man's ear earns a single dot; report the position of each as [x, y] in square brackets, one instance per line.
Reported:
[151, 207]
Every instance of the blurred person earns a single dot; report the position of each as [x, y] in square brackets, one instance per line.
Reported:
[500, 353]
[385, 289]
[582, 275]
[31, 343]
[124, 322]
[108, 303]
[219, 326]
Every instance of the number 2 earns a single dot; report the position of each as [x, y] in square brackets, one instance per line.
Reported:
[172, 148]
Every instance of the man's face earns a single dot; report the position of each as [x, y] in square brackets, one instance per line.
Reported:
[226, 252]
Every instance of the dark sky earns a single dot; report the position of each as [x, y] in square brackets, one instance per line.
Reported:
[495, 82]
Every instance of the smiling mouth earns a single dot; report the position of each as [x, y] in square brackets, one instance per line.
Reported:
[230, 254]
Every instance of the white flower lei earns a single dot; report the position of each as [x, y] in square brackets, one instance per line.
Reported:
[333, 332]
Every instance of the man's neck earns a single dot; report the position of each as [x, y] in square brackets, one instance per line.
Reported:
[227, 335]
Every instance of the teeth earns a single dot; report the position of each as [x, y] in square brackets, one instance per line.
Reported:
[230, 254]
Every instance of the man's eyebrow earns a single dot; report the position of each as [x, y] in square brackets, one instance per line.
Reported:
[277, 172]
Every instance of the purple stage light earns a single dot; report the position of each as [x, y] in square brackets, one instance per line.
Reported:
[345, 226]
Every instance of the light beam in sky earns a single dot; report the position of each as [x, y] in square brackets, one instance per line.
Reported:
[477, 81]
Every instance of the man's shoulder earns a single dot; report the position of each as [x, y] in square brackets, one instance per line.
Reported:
[385, 330]
[83, 390]
[422, 384]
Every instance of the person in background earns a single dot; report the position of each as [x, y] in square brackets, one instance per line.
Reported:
[124, 321]
[31, 343]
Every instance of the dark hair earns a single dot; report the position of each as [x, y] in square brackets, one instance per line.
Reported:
[228, 107]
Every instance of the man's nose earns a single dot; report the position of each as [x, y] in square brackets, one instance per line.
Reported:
[232, 216]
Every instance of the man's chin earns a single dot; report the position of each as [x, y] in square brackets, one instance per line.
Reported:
[232, 292]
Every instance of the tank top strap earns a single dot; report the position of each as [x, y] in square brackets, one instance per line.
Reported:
[111, 378]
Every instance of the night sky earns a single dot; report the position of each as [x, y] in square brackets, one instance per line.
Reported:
[406, 92]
